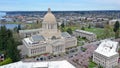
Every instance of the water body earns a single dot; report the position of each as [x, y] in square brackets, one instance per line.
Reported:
[2, 14]
[9, 26]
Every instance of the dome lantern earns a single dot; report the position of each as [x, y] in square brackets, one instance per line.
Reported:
[49, 17]
[49, 10]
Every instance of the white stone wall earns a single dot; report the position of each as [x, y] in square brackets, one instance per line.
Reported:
[47, 48]
[58, 49]
[90, 37]
[106, 62]
[28, 33]
[25, 48]
[70, 42]
[37, 51]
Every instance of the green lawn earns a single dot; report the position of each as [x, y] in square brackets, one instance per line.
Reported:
[80, 41]
[72, 27]
[98, 31]
[6, 61]
[95, 30]
[92, 64]
[14, 23]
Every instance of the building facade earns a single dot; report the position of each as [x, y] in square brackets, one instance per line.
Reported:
[47, 39]
[106, 54]
[88, 35]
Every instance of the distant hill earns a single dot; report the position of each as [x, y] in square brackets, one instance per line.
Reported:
[64, 12]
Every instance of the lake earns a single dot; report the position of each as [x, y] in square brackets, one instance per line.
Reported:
[2, 14]
[10, 26]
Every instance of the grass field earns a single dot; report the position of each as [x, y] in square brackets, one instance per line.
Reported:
[92, 65]
[98, 31]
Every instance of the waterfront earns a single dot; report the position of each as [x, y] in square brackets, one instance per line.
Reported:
[10, 26]
[2, 14]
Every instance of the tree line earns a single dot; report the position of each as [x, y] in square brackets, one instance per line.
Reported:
[8, 45]
[115, 29]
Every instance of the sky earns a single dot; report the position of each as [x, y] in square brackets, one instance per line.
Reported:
[58, 5]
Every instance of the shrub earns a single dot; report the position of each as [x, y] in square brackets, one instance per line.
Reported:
[7, 61]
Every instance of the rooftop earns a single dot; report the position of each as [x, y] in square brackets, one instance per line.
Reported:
[66, 35]
[114, 20]
[107, 48]
[49, 64]
[37, 38]
[31, 30]
[84, 32]
[34, 40]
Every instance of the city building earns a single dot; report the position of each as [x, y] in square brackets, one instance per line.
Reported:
[47, 39]
[48, 64]
[88, 35]
[112, 22]
[106, 54]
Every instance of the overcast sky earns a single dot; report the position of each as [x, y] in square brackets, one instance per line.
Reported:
[58, 5]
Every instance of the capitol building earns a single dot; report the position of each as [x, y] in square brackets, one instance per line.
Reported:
[47, 39]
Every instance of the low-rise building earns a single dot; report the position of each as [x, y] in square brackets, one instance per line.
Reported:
[88, 35]
[112, 22]
[106, 54]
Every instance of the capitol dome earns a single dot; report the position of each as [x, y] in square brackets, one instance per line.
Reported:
[49, 17]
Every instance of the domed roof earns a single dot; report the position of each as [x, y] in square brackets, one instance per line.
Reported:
[49, 17]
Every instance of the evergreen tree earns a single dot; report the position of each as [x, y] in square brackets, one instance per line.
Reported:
[100, 66]
[62, 25]
[18, 28]
[116, 29]
[69, 30]
[89, 26]
[8, 44]
[3, 37]
[12, 51]
[82, 28]
[9, 33]
[37, 21]
[58, 26]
